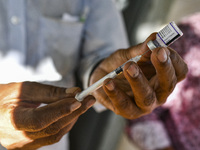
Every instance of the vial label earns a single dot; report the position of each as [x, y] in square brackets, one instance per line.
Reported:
[168, 34]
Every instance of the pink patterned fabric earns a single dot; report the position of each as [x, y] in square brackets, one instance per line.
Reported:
[181, 113]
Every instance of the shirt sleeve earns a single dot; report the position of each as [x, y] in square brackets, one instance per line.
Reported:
[104, 33]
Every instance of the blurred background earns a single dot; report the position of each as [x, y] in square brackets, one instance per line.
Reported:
[141, 18]
[106, 131]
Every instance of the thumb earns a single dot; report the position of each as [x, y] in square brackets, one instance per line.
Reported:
[36, 92]
[141, 49]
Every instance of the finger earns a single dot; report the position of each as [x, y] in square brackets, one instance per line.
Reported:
[37, 92]
[37, 143]
[165, 73]
[50, 130]
[121, 102]
[57, 137]
[63, 122]
[180, 66]
[103, 98]
[31, 119]
[87, 103]
[144, 95]
[124, 55]
[139, 49]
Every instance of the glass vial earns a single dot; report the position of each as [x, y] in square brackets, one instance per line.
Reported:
[166, 36]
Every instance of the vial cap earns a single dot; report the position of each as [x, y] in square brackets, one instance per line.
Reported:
[151, 45]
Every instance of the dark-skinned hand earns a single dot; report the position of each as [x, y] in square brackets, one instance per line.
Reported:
[143, 86]
[25, 126]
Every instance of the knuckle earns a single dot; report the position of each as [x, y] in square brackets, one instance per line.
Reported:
[56, 91]
[146, 106]
[124, 54]
[149, 99]
[123, 102]
[123, 108]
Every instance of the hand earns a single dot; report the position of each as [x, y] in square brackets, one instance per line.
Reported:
[143, 86]
[24, 125]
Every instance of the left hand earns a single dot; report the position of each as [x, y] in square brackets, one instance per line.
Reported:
[26, 126]
[143, 86]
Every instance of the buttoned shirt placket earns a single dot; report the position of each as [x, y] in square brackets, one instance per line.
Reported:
[17, 26]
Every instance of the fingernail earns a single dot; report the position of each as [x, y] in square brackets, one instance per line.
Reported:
[75, 105]
[110, 85]
[133, 70]
[162, 55]
[90, 103]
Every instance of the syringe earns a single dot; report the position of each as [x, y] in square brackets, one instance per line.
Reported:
[80, 96]
[164, 38]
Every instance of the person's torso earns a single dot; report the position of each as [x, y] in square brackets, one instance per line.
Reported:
[40, 29]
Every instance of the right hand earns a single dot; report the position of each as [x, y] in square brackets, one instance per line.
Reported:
[26, 126]
[141, 87]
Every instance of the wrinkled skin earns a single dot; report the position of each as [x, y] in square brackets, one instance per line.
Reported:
[143, 86]
[26, 126]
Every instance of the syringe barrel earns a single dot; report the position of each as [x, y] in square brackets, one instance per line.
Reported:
[80, 96]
